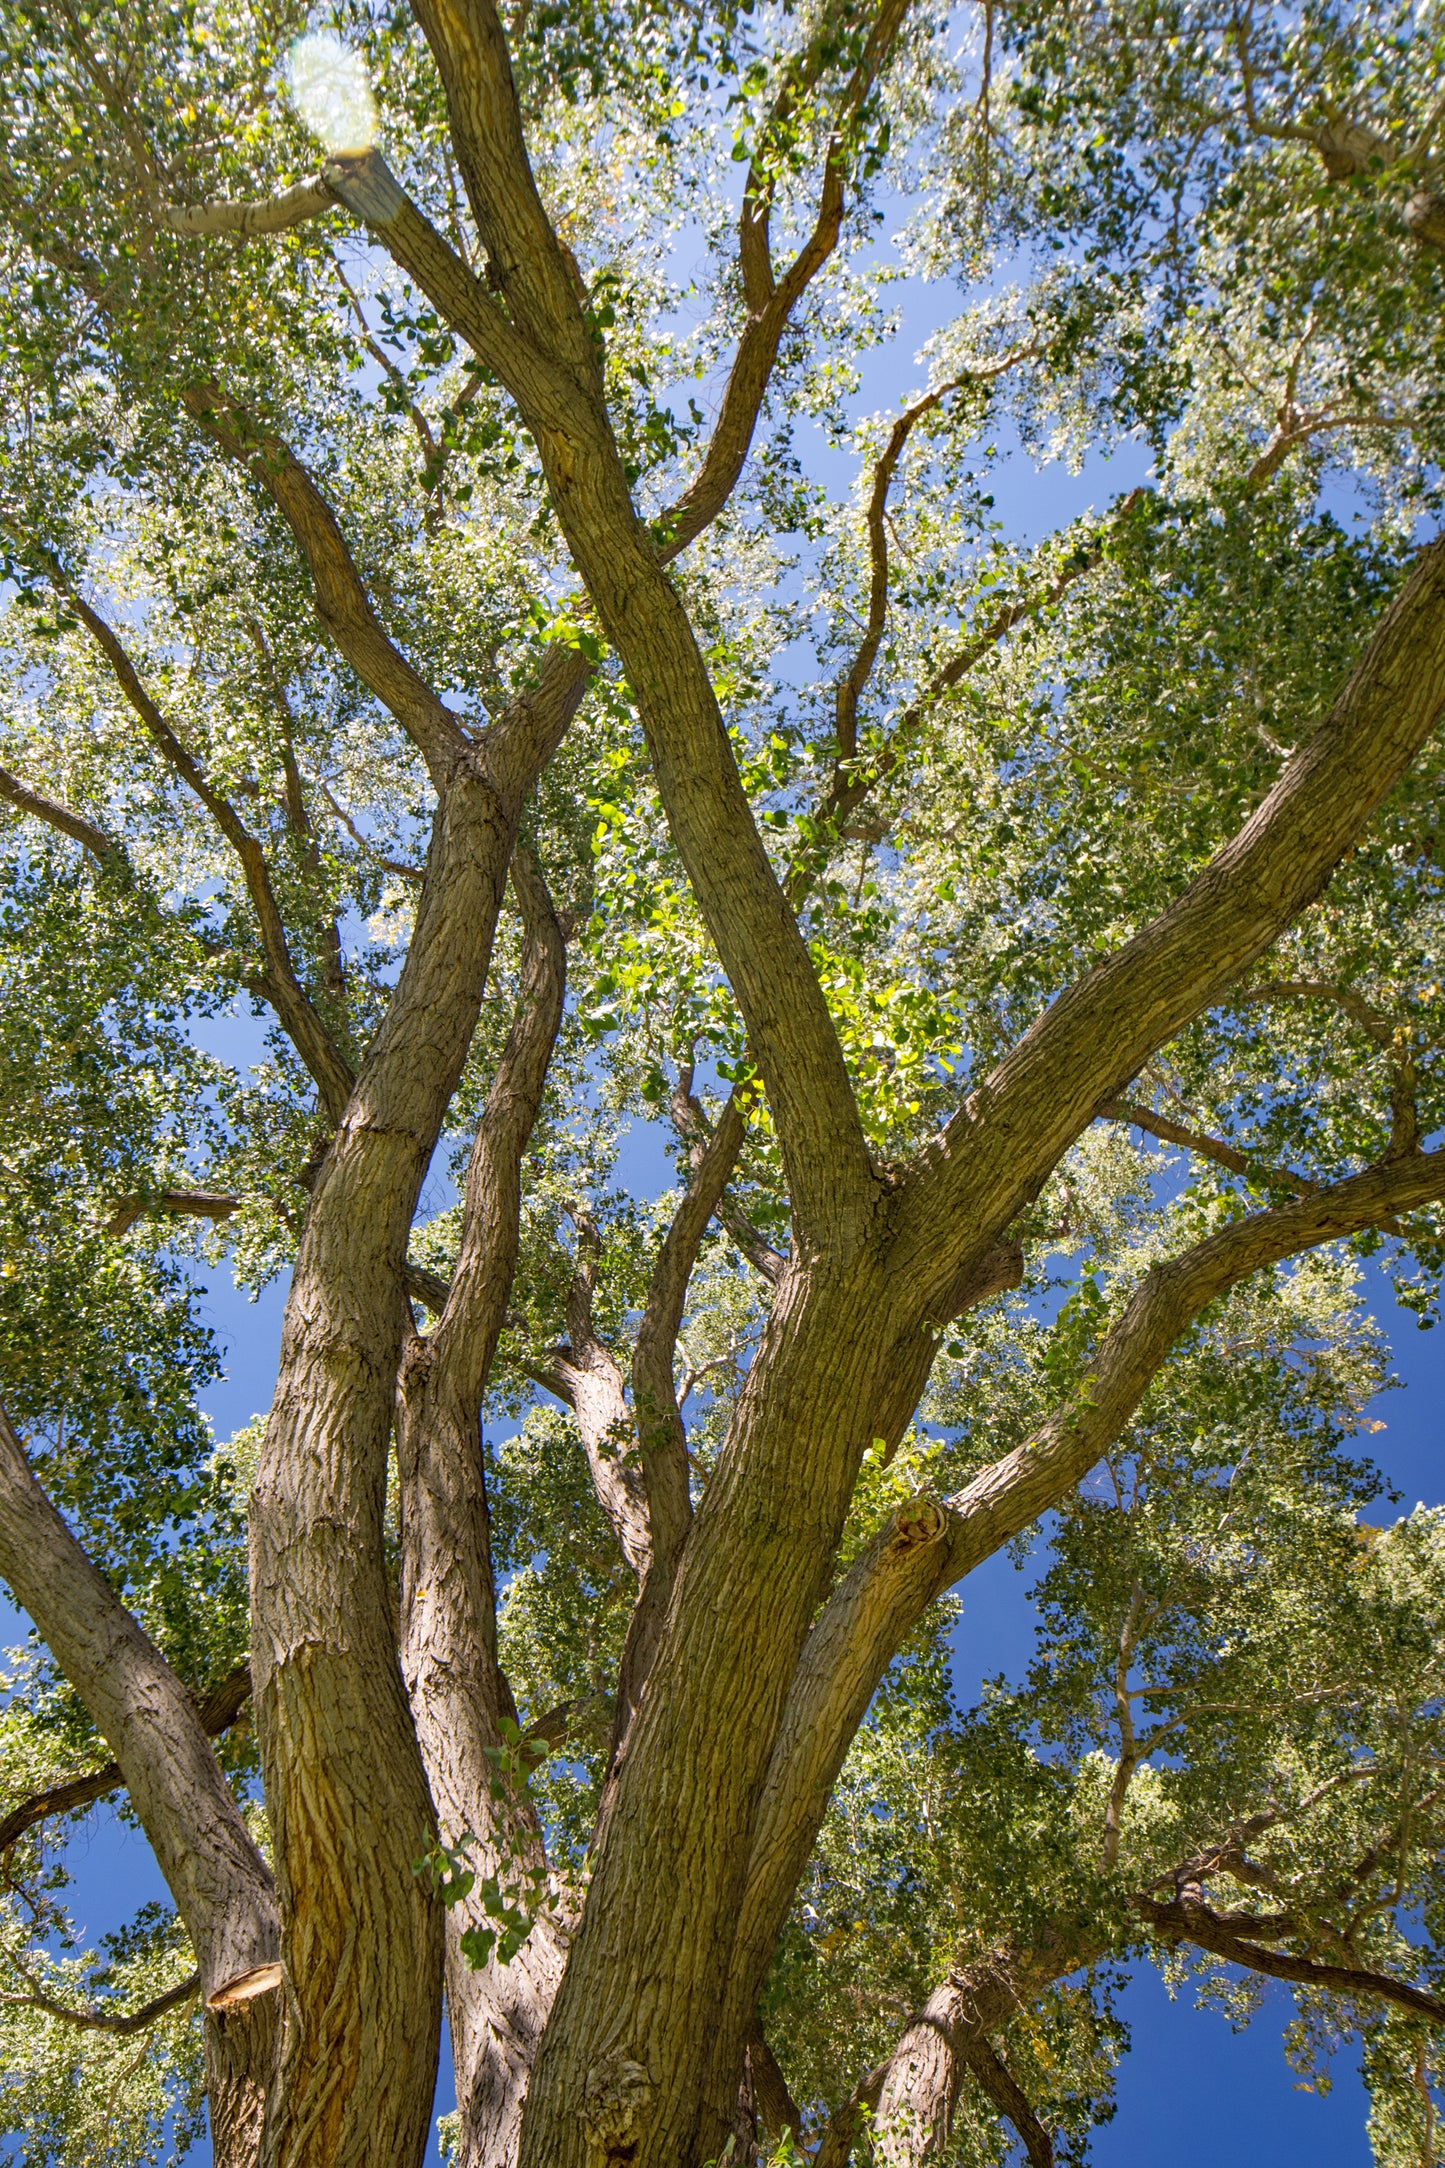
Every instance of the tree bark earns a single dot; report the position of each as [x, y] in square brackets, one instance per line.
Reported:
[222, 1886]
[345, 1786]
[457, 1690]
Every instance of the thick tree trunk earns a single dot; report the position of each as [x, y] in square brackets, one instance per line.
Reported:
[345, 1786]
[242, 2059]
[621, 2073]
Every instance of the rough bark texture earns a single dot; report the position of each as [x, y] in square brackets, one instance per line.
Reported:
[222, 1886]
[746, 1675]
[620, 2070]
[345, 1786]
[449, 1638]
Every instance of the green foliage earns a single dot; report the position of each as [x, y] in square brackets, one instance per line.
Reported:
[1111, 230]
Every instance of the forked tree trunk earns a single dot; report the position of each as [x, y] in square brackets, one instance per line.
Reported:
[345, 1788]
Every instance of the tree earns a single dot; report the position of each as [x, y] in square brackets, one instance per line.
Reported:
[430, 624]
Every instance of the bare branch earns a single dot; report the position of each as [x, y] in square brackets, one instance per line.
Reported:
[343, 606]
[777, 2109]
[850, 686]
[218, 1712]
[771, 302]
[661, 1437]
[272, 214]
[1370, 1020]
[1186, 1920]
[691, 1124]
[396, 866]
[1136, 1116]
[102, 2020]
[221, 1885]
[853, 781]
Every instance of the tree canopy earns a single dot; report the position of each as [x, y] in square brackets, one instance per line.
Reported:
[530, 610]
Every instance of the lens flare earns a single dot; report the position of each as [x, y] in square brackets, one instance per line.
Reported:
[331, 92]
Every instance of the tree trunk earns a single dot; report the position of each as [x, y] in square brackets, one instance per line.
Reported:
[345, 1787]
[457, 1690]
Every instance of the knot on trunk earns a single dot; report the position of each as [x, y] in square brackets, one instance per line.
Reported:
[614, 2110]
[918, 1521]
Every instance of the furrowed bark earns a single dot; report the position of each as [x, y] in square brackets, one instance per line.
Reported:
[222, 1886]
[344, 1781]
[930, 1544]
[661, 1437]
[457, 1690]
[915, 2102]
[587, 1376]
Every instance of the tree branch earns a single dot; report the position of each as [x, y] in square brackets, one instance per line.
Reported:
[272, 214]
[1135, 1116]
[661, 1437]
[850, 686]
[1191, 1921]
[928, 1544]
[1007, 2095]
[222, 1887]
[101, 2020]
[1103, 1028]
[556, 383]
[343, 606]
[851, 783]
[458, 1692]
[313, 1042]
[55, 815]
[218, 1712]
[189, 1203]
[771, 302]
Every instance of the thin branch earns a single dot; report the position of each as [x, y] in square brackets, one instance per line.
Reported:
[1130, 1112]
[854, 782]
[771, 301]
[396, 866]
[1131, 1753]
[313, 1042]
[850, 686]
[343, 606]
[691, 1124]
[101, 2020]
[1370, 1019]
[220, 1709]
[1187, 1921]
